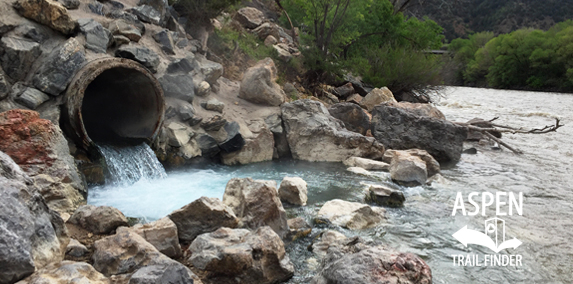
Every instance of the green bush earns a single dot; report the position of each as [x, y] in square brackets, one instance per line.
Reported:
[201, 11]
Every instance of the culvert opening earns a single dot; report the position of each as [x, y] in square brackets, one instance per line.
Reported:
[114, 101]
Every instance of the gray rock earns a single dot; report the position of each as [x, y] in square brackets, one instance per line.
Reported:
[4, 86]
[203, 215]
[47, 12]
[214, 105]
[141, 54]
[181, 66]
[178, 86]
[60, 66]
[241, 256]
[314, 135]
[170, 273]
[344, 91]
[76, 249]
[182, 43]
[165, 41]
[32, 235]
[353, 117]
[18, 55]
[5, 27]
[373, 265]
[208, 145]
[211, 70]
[432, 166]
[419, 109]
[234, 140]
[256, 204]
[147, 13]
[283, 52]
[250, 17]
[67, 272]
[31, 32]
[31, 98]
[158, 5]
[70, 4]
[385, 196]
[125, 28]
[96, 8]
[399, 129]
[259, 86]
[97, 37]
[293, 190]
[275, 124]
[98, 219]
[120, 40]
[178, 134]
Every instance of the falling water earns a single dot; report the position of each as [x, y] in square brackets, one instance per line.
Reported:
[127, 165]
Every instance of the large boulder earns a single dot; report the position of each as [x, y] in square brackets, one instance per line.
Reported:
[399, 129]
[352, 115]
[169, 273]
[250, 17]
[59, 67]
[203, 215]
[17, 56]
[432, 166]
[98, 219]
[376, 97]
[293, 190]
[351, 215]
[31, 235]
[374, 265]
[162, 234]
[259, 148]
[67, 272]
[256, 204]
[420, 109]
[127, 252]
[40, 149]
[314, 135]
[259, 84]
[47, 12]
[242, 256]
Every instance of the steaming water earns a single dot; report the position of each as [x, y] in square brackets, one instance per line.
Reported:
[424, 225]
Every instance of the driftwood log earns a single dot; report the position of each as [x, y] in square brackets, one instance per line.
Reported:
[493, 131]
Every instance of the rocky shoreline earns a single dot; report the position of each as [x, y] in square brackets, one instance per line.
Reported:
[51, 236]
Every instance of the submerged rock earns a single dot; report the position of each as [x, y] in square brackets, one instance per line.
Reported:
[399, 129]
[372, 266]
[385, 196]
[98, 219]
[366, 164]
[256, 204]
[203, 215]
[242, 256]
[351, 215]
[314, 135]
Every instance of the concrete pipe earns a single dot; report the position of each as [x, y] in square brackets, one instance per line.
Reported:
[113, 100]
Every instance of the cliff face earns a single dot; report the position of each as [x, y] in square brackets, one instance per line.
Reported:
[460, 17]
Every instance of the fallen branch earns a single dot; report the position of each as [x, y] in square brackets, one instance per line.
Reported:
[514, 150]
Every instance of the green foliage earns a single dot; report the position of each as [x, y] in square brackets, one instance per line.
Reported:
[230, 39]
[524, 59]
[201, 11]
[360, 35]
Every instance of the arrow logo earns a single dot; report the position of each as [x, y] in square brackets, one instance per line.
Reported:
[467, 236]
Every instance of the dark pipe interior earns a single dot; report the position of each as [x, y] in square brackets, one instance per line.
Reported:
[120, 105]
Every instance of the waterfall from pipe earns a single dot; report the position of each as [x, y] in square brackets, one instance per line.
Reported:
[128, 164]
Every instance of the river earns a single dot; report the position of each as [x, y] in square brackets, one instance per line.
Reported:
[425, 224]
